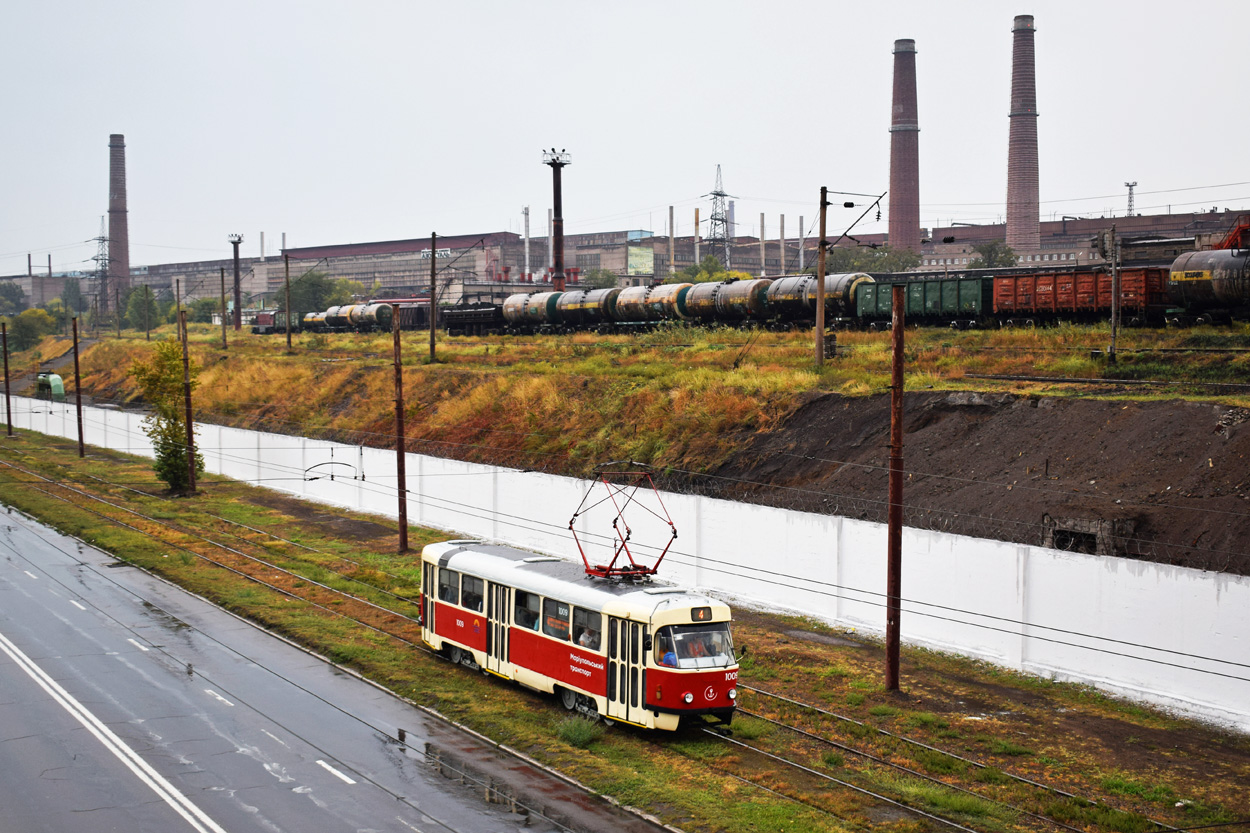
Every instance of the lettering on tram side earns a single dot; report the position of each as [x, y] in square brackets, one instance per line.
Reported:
[577, 661]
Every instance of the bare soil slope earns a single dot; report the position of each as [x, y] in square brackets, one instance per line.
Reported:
[1165, 481]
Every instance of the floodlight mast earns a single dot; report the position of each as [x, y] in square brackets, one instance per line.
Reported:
[557, 159]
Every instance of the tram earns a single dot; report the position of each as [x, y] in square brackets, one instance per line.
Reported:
[640, 653]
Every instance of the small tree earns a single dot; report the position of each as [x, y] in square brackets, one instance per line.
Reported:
[26, 329]
[993, 255]
[599, 278]
[160, 380]
[12, 298]
[142, 311]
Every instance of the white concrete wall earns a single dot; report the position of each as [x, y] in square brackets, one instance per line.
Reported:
[1167, 635]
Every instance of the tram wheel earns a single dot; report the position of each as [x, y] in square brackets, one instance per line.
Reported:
[568, 699]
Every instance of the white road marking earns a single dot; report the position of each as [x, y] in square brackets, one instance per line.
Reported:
[212, 693]
[76, 604]
[137, 645]
[334, 771]
[406, 824]
[275, 737]
[194, 816]
[32, 575]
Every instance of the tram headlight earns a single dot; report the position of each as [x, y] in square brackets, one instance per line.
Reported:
[687, 697]
[733, 694]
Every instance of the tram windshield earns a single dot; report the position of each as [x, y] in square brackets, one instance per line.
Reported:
[694, 646]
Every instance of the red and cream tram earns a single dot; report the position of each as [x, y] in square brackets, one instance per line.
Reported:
[645, 654]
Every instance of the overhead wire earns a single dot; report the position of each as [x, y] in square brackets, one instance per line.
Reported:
[836, 590]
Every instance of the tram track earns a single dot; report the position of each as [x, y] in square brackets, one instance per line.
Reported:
[396, 624]
[1032, 807]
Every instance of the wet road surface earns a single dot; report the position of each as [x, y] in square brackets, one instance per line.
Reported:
[127, 704]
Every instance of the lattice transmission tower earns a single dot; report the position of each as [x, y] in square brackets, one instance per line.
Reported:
[718, 232]
[101, 259]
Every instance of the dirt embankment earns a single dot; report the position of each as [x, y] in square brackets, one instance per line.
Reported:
[1164, 481]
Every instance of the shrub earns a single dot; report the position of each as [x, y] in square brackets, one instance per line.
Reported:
[579, 731]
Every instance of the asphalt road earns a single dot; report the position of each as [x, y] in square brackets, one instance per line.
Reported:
[127, 704]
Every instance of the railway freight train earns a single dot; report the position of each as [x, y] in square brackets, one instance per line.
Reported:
[645, 654]
[1200, 287]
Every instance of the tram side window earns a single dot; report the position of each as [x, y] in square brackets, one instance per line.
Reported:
[471, 590]
[448, 586]
[526, 614]
[556, 619]
[587, 628]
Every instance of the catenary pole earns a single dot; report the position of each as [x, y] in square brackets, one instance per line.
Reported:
[186, 391]
[894, 569]
[286, 265]
[401, 472]
[820, 281]
[82, 448]
[433, 293]
[8, 405]
[224, 344]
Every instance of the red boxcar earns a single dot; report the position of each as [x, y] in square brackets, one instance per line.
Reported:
[1080, 293]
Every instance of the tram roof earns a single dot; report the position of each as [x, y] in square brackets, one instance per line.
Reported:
[561, 579]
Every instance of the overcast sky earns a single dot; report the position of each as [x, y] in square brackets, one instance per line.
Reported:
[349, 122]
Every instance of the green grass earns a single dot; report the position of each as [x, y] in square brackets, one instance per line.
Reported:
[579, 731]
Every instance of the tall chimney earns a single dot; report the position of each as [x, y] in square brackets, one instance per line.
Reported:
[1023, 231]
[119, 235]
[905, 151]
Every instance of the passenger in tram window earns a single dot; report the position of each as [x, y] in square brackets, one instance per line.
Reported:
[664, 654]
[589, 639]
[697, 647]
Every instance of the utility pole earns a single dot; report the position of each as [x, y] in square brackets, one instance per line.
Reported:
[186, 390]
[147, 302]
[177, 300]
[8, 406]
[820, 280]
[1113, 251]
[286, 265]
[525, 212]
[117, 297]
[1130, 186]
[82, 448]
[894, 569]
[401, 473]
[224, 344]
[719, 233]
[557, 160]
[235, 240]
[433, 294]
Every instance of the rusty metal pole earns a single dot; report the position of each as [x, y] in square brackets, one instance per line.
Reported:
[820, 281]
[235, 240]
[894, 570]
[117, 295]
[224, 344]
[82, 448]
[433, 293]
[400, 445]
[286, 265]
[8, 406]
[1114, 251]
[186, 390]
[147, 302]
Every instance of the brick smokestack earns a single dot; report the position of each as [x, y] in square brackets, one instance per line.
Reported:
[1023, 232]
[905, 152]
[119, 235]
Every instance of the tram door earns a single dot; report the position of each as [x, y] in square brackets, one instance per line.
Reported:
[626, 675]
[428, 590]
[497, 607]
